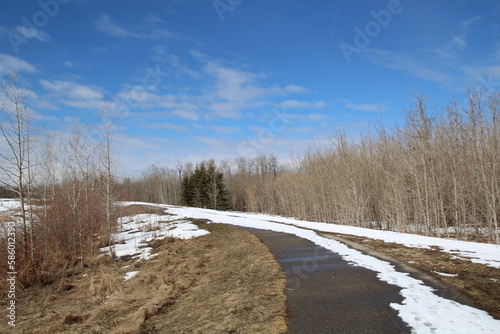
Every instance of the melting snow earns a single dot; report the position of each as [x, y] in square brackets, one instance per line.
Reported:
[138, 230]
[445, 274]
[423, 310]
[130, 275]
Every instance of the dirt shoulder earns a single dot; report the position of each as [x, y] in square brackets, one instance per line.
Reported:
[224, 282]
[478, 282]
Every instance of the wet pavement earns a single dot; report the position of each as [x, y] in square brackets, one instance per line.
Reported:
[326, 294]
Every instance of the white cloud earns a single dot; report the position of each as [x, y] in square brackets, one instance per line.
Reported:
[32, 33]
[317, 117]
[163, 55]
[73, 94]
[14, 64]
[369, 107]
[105, 24]
[301, 104]
[228, 109]
[225, 130]
[455, 45]
[168, 126]
[405, 64]
[186, 114]
[234, 85]
[483, 77]
[235, 90]
[296, 89]
[465, 24]
[72, 90]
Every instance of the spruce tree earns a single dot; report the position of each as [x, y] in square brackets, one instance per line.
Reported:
[205, 188]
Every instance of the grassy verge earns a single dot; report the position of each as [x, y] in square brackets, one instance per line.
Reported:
[225, 282]
[480, 282]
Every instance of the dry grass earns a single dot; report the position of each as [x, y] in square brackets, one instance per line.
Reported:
[225, 282]
[137, 209]
[480, 282]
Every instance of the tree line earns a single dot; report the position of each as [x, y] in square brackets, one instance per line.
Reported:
[437, 174]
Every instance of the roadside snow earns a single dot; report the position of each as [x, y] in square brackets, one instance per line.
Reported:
[487, 254]
[424, 311]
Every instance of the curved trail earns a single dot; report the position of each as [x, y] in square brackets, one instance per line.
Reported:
[423, 308]
[326, 294]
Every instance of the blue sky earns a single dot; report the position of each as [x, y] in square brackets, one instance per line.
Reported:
[191, 80]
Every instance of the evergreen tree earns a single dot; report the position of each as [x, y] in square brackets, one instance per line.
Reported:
[205, 188]
[187, 191]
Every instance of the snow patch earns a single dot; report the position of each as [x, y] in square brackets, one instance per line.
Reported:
[7, 204]
[445, 274]
[130, 275]
[138, 230]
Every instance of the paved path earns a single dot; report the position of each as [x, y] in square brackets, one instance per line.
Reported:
[328, 295]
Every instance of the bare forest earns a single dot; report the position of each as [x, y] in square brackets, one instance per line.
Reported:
[437, 174]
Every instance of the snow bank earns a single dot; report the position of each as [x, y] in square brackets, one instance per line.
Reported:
[424, 311]
[487, 254]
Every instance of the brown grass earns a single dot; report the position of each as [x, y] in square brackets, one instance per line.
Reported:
[474, 280]
[225, 282]
[136, 209]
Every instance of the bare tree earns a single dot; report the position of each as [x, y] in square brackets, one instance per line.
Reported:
[107, 164]
[16, 152]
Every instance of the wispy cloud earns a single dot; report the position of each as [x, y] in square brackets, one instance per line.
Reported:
[235, 90]
[225, 130]
[369, 107]
[234, 85]
[14, 64]
[222, 91]
[403, 63]
[167, 126]
[104, 23]
[73, 94]
[31, 33]
[301, 104]
[456, 44]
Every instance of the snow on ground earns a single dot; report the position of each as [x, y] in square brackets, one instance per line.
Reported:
[487, 254]
[7, 204]
[130, 275]
[136, 231]
[445, 274]
[424, 311]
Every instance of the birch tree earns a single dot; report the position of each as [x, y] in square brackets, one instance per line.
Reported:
[16, 153]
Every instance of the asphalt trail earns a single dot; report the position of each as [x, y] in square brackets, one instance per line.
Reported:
[327, 294]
